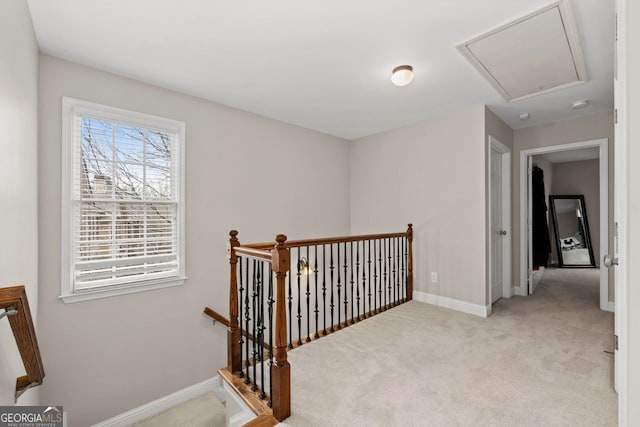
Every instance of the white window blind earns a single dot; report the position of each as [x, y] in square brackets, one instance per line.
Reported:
[125, 199]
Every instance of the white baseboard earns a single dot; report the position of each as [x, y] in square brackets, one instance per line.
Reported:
[153, 408]
[454, 304]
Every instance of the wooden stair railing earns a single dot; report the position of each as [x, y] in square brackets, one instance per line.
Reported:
[375, 277]
[14, 301]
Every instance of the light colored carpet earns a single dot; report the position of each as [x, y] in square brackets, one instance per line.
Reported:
[203, 411]
[537, 361]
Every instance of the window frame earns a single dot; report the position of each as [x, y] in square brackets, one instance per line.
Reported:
[71, 108]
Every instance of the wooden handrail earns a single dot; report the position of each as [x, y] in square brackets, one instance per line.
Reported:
[15, 298]
[326, 240]
[220, 318]
[254, 253]
[216, 316]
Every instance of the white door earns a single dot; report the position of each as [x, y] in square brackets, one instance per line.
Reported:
[620, 201]
[497, 229]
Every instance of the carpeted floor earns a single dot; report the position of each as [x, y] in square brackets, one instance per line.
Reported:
[537, 361]
[203, 411]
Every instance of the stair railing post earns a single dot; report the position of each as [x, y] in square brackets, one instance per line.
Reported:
[410, 262]
[234, 357]
[281, 370]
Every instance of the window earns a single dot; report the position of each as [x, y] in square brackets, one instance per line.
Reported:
[123, 201]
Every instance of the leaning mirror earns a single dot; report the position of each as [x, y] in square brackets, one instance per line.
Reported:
[571, 227]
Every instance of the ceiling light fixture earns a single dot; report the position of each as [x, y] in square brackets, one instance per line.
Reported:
[579, 104]
[524, 116]
[402, 75]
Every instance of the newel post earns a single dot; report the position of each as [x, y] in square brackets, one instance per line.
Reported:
[234, 358]
[410, 263]
[281, 371]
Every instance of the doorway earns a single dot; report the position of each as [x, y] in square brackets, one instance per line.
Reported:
[526, 254]
[499, 214]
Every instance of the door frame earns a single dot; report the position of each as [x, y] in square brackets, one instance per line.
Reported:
[603, 146]
[494, 143]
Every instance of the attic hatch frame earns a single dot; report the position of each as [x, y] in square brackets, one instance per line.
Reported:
[567, 17]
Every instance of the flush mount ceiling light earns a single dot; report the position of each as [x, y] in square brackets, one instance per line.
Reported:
[402, 75]
[579, 104]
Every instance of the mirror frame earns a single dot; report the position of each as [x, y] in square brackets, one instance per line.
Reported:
[587, 237]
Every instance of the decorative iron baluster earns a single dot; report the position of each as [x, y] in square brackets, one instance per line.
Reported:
[270, 301]
[364, 284]
[308, 296]
[290, 300]
[375, 278]
[395, 277]
[346, 289]
[240, 290]
[369, 282]
[256, 284]
[384, 282]
[339, 301]
[299, 316]
[262, 394]
[406, 245]
[324, 291]
[247, 318]
[390, 282]
[380, 282]
[357, 275]
[403, 282]
[315, 273]
[331, 268]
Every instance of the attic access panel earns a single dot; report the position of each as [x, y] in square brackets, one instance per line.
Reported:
[532, 55]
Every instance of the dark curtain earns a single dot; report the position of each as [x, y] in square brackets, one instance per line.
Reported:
[540, 229]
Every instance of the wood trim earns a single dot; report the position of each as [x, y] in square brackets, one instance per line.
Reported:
[281, 370]
[234, 355]
[24, 332]
[326, 240]
[262, 421]
[258, 406]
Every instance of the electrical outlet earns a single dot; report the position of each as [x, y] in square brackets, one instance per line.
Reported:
[434, 277]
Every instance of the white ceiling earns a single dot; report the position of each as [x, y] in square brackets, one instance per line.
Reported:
[321, 65]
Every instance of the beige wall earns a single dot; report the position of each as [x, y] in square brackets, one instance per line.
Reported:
[581, 178]
[258, 175]
[632, 263]
[586, 128]
[428, 174]
[18, 179]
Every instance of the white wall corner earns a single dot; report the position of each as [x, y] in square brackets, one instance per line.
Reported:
[453, 304]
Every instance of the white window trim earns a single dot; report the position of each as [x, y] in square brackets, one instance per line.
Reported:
[70, 108]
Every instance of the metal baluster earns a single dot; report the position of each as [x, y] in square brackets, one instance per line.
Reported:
[315, 273]
[338, 246]
[256, 280]
[247, 378]
[346, 289]
[384, 282]
[299, 316]
[390, 282]
[369, 283]
[356, 281]
[331, 268]
[395, 276]
[241, 373]
[406, 266]
[262, 394]
[308, 296]
[380, 294]
[364, 284]
[290, 300]
[270, 302]
[375, 279]
[403, 277]
[324, 291]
